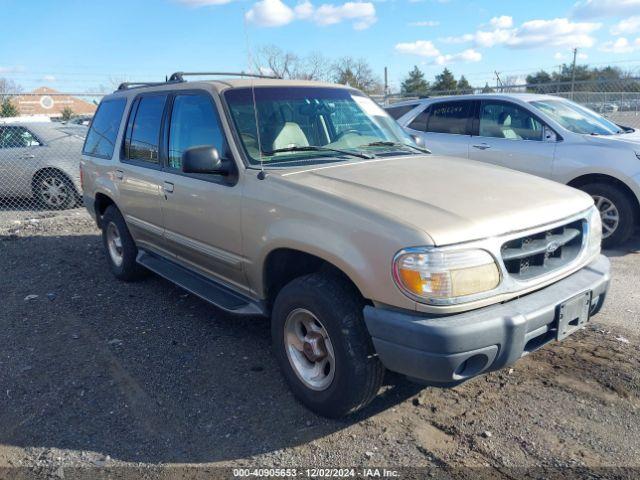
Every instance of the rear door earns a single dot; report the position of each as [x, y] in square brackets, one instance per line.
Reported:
[511, 136]
[19, 155]
[139, 174]
[201, 211]
[445, 127]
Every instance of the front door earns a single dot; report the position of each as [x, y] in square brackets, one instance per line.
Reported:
[139, 174]
[512, 137]
[201, 211]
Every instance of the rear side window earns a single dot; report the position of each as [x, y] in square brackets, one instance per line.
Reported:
[449, 117]
[400, 110]
[420, 122]
[143, 129]
[101, 138]
[17, 137]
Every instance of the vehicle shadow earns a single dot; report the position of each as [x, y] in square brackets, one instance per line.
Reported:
[142, 372]
[630, 246]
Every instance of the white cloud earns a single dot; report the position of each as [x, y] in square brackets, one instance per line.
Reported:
[275, 13]
[49, 78]
[557, 32]
[503, 21]
[626, 26]
[469, 55]
[203, 3]
[605, 8]
[363, 14]
[567, 56]
[270, 13]
[422, 48]
[12, 69]
[425, 23]
[621, 45]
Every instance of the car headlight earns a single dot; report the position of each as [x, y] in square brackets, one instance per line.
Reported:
[595, 232]
[440, 276]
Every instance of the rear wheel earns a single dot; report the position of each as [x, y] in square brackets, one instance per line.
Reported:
[119, 246]
[54, 190]
[616, 211]
[322, 345]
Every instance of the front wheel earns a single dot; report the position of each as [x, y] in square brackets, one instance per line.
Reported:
[616, 211]
[322, 345]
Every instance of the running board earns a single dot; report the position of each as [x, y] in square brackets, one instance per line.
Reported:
[209, 290]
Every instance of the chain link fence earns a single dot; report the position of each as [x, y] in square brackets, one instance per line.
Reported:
[618, 100]
[41, 138]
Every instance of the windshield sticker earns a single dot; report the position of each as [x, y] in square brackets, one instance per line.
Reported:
[368, 106]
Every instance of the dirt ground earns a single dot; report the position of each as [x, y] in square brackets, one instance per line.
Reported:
[144, 380]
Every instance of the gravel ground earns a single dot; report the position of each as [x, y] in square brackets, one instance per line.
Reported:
[99, 373]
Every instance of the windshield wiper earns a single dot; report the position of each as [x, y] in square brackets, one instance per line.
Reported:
[384, 143]
[316, 148]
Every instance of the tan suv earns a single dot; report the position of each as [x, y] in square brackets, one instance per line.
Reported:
[307, 203]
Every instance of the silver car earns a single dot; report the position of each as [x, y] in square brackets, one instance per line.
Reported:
[540, 134]
[39, 161]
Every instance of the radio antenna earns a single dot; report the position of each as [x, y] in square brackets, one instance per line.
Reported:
[251, 60]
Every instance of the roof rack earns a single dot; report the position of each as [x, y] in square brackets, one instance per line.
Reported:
[128, 85]
[179, 76]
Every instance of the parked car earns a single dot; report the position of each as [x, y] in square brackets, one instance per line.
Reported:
[40, 161]
[543, 135]
[306, 202]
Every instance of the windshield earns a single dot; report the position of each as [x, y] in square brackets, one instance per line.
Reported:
[301, 125]
[576, 118]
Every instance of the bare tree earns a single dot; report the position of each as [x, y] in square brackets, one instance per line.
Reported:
[8, 86]
[358, 74]
[275, 61]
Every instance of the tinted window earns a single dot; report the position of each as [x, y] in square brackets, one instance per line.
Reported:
[397, 112]
[506, 120]
[101, 138]
[143, 130]
[449, 117]
[194, 122]
[17, 137]
[420, 122]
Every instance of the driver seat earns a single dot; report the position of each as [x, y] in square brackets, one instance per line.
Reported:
[291, 135]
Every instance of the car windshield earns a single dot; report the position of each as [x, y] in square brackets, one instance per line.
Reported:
[302, 125]
[576, 118]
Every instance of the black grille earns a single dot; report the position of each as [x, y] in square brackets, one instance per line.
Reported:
[541, 253]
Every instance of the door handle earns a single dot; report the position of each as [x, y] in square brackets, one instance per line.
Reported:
[119, 174]
[168, 187]
[481, 146]
[27, 156]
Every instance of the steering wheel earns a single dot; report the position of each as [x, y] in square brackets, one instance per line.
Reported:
[351, 130]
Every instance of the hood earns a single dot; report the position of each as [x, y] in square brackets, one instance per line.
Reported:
[632, 140]
[451, 200]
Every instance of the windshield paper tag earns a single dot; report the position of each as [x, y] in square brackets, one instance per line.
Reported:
[368, 106]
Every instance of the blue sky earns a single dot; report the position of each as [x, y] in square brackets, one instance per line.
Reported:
[77, 45]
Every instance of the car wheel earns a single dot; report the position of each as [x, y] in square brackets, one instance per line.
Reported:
[616, 211]
[54, 190]
[119, 246]
[322, 345]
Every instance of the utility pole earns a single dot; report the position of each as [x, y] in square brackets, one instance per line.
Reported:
[386, 85]
[573, 71]
[498, 81]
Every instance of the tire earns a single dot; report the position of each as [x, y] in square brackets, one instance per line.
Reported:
[607, 196]
[356, 373]
[53, 190]
[120, 248]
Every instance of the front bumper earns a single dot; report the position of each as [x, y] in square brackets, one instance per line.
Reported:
[446, 350]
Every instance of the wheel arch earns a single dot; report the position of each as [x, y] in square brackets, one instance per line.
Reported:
[57, 171]
[100, 204]
[610, 180]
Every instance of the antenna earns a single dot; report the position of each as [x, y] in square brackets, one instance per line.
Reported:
[261, 175]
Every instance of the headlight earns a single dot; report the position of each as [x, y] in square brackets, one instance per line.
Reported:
[440, 276]
[595, 232]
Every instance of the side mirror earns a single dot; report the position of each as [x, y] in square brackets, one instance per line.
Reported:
[204, 159]
[419, 141]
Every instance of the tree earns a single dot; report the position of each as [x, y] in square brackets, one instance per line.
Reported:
[464, 86]
[415, 83]
[539, 78]
[358, 74]
[8, 87]
[487, 88]
[444, 81]
[8, 109]
[272, 60]
[67, 114]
